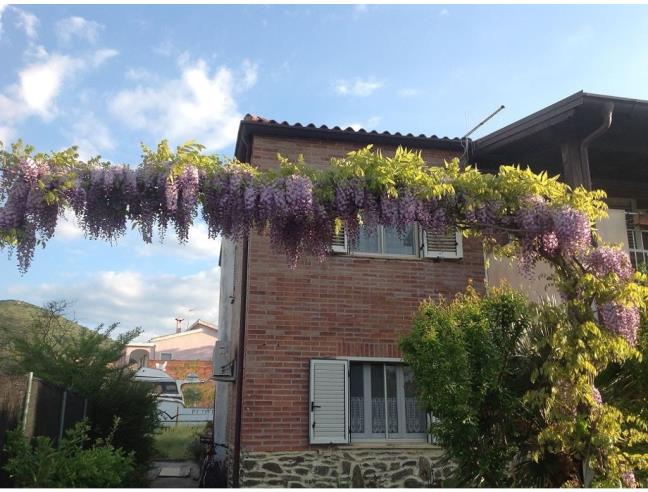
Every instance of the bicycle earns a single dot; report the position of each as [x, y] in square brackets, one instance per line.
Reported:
[213, 473]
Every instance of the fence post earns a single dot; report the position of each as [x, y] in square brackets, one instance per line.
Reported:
[30, 378]
[62, 419]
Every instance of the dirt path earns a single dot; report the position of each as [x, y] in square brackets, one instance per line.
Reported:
[165, 474]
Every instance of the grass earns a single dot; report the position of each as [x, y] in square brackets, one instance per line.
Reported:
[173, 443]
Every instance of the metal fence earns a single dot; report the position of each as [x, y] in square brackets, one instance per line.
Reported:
[39, 408]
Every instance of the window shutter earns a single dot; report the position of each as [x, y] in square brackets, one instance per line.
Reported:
[340, 242]
[438, 245]
[329, 401]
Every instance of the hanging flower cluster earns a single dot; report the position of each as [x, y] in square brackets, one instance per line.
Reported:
[299, 207]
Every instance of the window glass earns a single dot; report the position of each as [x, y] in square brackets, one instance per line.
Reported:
[396, 244]
[392, 399]
[166, 356]
[368, 241]
[415, 421]
[356, 390]
[377, 399]
[383, 402]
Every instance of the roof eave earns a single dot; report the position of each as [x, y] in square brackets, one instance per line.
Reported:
[247, 129]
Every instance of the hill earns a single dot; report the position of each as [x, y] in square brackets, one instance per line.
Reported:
[18, 318]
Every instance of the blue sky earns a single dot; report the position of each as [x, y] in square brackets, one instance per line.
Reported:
[109, 77]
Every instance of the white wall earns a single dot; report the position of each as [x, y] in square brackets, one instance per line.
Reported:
[536, 286]
[225, 328]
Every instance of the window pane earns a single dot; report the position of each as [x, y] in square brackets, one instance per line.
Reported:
[377, 399]
[356, 389]
[368, 241]
[396, 245]
[392, 400]
[414, 414]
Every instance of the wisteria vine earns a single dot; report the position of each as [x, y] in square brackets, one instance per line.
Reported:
[527, 216]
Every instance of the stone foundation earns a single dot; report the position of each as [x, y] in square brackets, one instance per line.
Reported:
[345, 467]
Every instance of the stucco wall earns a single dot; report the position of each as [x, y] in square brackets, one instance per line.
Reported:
[502, 271]
[193, 345]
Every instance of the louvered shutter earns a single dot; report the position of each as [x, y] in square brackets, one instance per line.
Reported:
[329, 401]
[436, 245]
[340, 242]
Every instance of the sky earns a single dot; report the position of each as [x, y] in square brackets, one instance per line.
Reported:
[110, 77]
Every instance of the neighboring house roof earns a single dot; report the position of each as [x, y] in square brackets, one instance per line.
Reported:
[558, 112]
[257, 125]
[204, 329]
[200, 323]
[536, 139]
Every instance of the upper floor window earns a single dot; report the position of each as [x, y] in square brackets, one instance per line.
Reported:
[637, 234]
[414, 243]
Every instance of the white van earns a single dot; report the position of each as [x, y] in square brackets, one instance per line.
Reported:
[167, 389]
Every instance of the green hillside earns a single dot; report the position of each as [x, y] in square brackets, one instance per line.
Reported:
[18, 318]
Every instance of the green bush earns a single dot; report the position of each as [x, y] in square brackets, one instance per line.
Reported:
[473, 359]
[75, 463]
[86, 362]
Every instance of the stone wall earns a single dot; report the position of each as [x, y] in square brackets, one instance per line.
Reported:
[345, 467]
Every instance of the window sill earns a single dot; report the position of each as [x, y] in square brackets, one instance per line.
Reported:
[396, 257]
[400, 444]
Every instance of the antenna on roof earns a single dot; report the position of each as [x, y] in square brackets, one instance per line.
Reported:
[466, 144]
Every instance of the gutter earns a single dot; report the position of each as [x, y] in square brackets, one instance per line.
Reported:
[241, 343]
[608, 110]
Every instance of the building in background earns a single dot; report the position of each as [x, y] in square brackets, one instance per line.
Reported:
[311, 387]
[185, 355]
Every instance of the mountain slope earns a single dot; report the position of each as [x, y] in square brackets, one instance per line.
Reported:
[18, 318]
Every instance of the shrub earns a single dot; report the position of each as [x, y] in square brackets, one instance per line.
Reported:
[76, 463]
[472, 359]
[86, 363]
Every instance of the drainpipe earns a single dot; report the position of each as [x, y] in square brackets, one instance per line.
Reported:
[608, 110]
[240, 356]
[239, 366]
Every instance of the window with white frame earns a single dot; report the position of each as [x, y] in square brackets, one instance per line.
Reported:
[414, 243]
[637, 234]
[355, 401]
[166, 356]
[383, 402]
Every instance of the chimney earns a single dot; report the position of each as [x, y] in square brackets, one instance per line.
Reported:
[178, 324]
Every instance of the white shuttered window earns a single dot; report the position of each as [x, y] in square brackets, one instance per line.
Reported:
[329, 400]
[442, 245]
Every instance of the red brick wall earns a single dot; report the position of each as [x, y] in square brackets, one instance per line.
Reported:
[179, 369]
[346, 306]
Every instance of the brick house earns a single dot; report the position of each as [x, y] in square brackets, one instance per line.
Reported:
[312, 390]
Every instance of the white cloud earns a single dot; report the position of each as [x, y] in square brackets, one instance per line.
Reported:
[90, 135]
[27, 22]
[369, 124]
[100, 56]
[78, 27]
[132, 298]
[40, 83]
[67, 227]
[138, 74]
[198, 105]
[357, 87]
[444, 12]
[199, 247]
